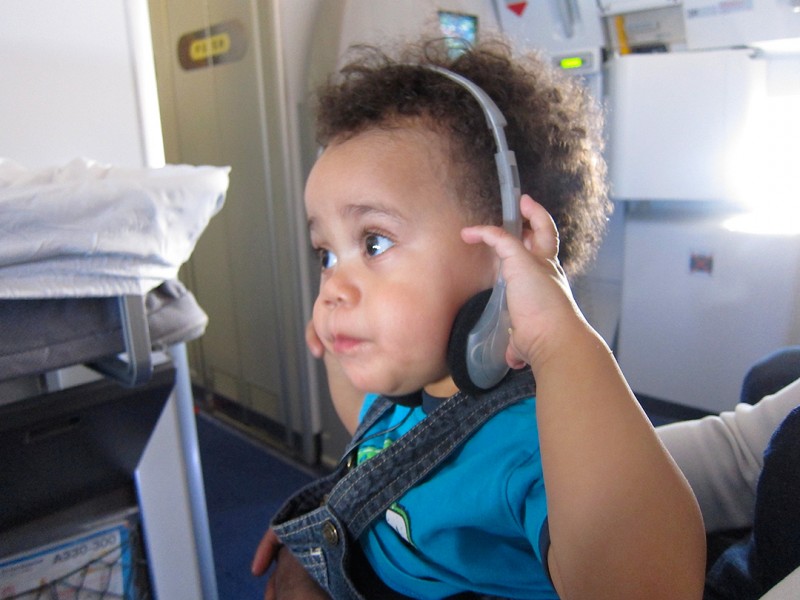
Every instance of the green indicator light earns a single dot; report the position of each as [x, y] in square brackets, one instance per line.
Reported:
[572, 62]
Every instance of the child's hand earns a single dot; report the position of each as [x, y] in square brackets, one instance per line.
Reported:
[313, 342]
[539, 298]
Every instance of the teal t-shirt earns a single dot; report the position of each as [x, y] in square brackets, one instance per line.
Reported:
[475, 523]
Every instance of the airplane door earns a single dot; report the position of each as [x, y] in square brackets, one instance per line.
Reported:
[220, 91]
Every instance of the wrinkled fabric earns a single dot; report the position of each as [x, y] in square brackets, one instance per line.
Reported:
[91, 230]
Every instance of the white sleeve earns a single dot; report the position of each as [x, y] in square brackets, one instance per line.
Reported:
[722, 456]
[787, 589]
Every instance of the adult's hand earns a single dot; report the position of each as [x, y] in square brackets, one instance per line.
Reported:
[289, 580]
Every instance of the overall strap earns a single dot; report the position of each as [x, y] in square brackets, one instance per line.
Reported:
[372, 487]
[374, 413]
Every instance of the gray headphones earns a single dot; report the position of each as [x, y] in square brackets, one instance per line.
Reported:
[480, 335]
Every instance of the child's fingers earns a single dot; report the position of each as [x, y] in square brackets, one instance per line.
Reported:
[542, 239]
[503, 243]
[265, 553]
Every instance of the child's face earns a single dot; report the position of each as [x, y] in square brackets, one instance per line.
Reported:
[395, 270]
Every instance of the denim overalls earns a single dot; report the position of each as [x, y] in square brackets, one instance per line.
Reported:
[322, 522]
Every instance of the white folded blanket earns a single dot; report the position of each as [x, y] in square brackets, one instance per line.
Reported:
[86, 229]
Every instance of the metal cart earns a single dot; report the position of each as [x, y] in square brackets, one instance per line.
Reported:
[121, 441]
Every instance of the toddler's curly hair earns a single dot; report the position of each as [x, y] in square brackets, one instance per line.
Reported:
[554, 127]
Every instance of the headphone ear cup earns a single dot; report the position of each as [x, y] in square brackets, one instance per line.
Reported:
[465, 321]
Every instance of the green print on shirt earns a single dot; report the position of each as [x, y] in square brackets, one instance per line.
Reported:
[367, 452]
[398, 519]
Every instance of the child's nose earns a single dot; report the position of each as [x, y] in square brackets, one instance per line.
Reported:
[339, 288]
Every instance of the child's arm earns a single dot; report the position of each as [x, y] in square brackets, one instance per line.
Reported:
[623, 521]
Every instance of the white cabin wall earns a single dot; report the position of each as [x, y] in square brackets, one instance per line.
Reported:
[379, 21]
[77, 83]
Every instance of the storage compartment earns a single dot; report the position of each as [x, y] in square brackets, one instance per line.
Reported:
[676, 122]
[63, 448]
[70, 524]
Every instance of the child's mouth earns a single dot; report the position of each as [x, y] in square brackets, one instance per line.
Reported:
[343, 344]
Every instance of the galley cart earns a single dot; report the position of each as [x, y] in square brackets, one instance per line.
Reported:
[100, 475]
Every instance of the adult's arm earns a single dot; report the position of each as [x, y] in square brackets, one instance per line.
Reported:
[722, 456]
[289, 580]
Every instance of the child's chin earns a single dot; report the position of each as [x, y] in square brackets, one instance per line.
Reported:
[385, 386]
[391, 391]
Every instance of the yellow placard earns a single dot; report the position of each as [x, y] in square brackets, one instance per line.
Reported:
[206, 48]
[219, 44]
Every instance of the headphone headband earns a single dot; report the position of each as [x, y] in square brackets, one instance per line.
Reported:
[479, 363]
[505, 158]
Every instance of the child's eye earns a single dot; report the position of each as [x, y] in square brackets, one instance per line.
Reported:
[327, 259]
[377, 244]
